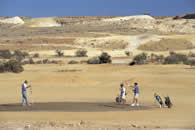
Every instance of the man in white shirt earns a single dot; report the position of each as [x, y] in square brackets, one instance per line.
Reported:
[24, 96]
[122, 94]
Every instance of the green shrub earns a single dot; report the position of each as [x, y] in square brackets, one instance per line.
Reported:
[81, 53]
[5, 54]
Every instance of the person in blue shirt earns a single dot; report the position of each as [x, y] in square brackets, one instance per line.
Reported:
[24, 93]
[136, 95]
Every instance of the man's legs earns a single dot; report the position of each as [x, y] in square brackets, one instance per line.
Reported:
[24, 98]
[135, 100]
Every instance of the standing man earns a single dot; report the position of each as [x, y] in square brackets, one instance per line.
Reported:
[122, 94]
[136, 95]
[24, 96]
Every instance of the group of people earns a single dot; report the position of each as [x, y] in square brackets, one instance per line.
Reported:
[123, 93]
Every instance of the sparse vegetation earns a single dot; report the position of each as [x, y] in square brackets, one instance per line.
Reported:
[5, 54]
[81, 53]
[173, 58]
[176, 58]
[11, 66]
[59, 53]
[73, 62]
[94, 60]
[140, 59]
[20, 55]
[102, 59]
[31, 61]
[127, 53]
[105, 58]
[36, 55]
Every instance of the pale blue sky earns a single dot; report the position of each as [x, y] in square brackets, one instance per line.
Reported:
[46, 8]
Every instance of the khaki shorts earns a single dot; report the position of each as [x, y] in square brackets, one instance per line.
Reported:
[136, 96]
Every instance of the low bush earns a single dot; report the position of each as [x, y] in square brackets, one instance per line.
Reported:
[11, 66]
[39, 62]
[73, 62]
[128, 53]
[31, 61]
[105, 58]
[81, 53]
[156, 58]
[102, 59]
[140, 59]
[20, 55]
[192, 62]
[83, 61]
[55, 62]
[5, 54]
[176, 58]
[59, 53]
[94, 60]
[46, 61]
[191, 54]
[36, 55]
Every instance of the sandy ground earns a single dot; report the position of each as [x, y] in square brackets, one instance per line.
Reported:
[87, 92]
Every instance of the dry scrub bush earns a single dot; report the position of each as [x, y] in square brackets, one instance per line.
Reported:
[102, 59]
[156, 58]
[128, 53]
[176, 58]
[94, 60]
[20, 55]
[36, 55]
[191, 54]
[81, 53]
[5, 54]
[73, 62]
[105, 58]
[59, 53]
[140, 59]
[31, 61]
[11, 66]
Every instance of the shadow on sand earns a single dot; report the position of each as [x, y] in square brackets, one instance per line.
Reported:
[72, 107]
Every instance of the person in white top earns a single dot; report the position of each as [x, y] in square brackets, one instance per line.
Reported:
[24, 95]
[122, 94]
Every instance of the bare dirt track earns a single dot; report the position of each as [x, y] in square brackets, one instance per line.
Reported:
[72, 107]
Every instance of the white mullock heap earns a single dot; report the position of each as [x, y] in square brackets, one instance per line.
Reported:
[13, 20]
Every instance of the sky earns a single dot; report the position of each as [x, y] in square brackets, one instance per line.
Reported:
[50, 8]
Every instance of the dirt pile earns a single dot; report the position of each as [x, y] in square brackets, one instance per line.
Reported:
[13, 20]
